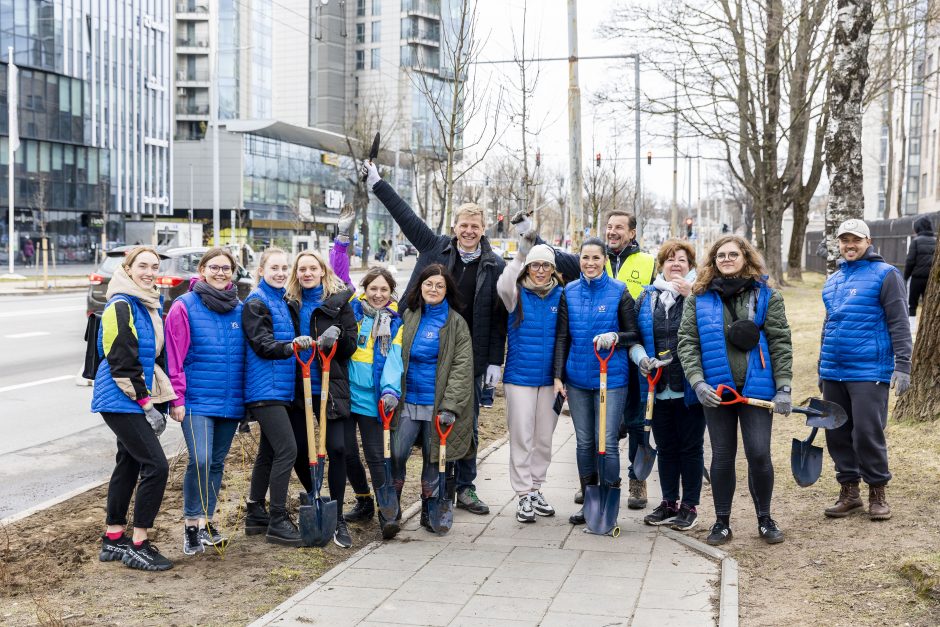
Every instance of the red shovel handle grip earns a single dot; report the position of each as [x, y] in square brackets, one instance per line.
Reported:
[304, 364]
[441, 432]
[603, 360]
[652, 379]
[735, 397]
[326, 358]
[386, 417]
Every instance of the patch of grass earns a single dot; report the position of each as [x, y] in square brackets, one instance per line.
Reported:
[924, 574]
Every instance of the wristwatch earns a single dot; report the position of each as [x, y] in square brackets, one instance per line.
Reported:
[785, 388]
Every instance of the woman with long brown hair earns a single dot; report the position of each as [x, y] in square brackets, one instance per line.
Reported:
[734, 332]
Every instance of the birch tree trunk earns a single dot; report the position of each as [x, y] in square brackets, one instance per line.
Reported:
[922, 400]
[844, 132]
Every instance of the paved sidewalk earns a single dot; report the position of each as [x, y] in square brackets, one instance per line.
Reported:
[492, 570]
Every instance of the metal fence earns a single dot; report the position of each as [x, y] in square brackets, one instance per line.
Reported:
[891, 238]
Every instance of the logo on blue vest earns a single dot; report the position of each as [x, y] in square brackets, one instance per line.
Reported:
[853, 292]
[554, 309]
[234, 325]
[429, 335]
[601, 308]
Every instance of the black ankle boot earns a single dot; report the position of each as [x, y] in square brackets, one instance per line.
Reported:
[390, 528]
[281, 529]
[364, 510]
[425, 518]
[578, 517]
[256, 518]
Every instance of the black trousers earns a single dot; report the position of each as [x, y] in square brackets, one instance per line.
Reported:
[336, 450]
[917, 289]
[859, 447]
[370, 433]
[140, 463]
[756, 426]
[277, 453]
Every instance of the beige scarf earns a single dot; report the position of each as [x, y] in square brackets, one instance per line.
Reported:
[121, 283]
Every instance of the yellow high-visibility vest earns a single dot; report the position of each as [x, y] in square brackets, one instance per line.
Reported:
[636, 271]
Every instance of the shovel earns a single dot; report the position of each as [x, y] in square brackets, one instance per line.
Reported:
[385, 496]
[317, 515]
[645, 454]
[441, 510]
[602, 501]
[373, 150]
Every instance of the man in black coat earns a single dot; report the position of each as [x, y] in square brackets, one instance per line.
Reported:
[475, 268]
[919, 261]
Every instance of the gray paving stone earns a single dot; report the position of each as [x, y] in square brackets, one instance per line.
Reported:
[592, 604]
[673, 557]
[306, 615]
[562, 619]
[626, 543]
[399, 547]
[416, 612]
[629, 565]
[416, 590]
[501, 585]
[382, 560]
[445, 574]
[672, 618]
[490, 622]
[524, 570]
[685, 591]
[372, 578]
[348, 596]
[459, 555]
[513, 541]
[603, 585]
[506, 608]
[543, 556]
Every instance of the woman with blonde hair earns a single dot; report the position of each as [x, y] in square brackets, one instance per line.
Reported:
[734, 332]
[319, 305]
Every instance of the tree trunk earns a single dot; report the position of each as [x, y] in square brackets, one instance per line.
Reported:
[844, 134]
[795, 256]
[922, 401]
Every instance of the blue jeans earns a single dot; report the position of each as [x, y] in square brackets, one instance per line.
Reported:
[208, 441]
[409, 433]
[486, 398]
[585, 415]
[466, 469]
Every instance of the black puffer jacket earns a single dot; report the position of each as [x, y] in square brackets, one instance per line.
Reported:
[334, 310]
[489, 315]
[920, 254]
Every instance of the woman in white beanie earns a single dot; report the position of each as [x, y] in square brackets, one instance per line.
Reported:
[530, 287]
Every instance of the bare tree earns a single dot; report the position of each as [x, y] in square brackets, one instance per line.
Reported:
[922, 401]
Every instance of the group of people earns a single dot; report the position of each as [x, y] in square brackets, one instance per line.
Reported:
[428, 357]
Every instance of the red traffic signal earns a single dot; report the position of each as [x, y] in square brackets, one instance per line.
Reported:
[499, 217]
[597, 160]
[688, 227]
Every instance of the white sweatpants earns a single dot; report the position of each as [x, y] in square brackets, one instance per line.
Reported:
[531, 422]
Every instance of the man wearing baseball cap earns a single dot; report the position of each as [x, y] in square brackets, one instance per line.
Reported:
[866, 347]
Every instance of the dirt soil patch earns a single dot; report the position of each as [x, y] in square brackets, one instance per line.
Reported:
[50, 573]
[834, 571]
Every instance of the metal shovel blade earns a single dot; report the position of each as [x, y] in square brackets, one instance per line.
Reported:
[645, 458]
[317, 520]
[441, 510]
[387, 500]
[806, 460]
[824, 414]
[601, 508]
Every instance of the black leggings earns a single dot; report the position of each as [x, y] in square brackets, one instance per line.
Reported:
[755, 433]
[139, 455]
[336, 447]
[277, 453]
[370, 433]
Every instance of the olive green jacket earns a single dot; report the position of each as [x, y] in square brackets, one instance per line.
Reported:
[776, 328]
[453, 386]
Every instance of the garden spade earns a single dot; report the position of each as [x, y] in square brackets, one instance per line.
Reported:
[374, 150]
[440, 510]
[645, 453]
[602, 501]
[806, 460]
[385, 496]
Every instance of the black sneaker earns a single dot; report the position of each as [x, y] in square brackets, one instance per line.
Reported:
[664, 513]
[390, 528]
[720, 534]
[685, 519]
[468, 500]
[145, 557]
[191, 541]
[577, 518]
[211, 536]
[113, 550]
[341, 536]
[768, 530]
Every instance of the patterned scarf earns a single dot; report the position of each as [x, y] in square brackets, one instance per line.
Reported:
[381, 325]
[472, 256]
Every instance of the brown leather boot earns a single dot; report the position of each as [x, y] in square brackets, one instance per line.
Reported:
[877, 503]
[849, 499]
[637, 499]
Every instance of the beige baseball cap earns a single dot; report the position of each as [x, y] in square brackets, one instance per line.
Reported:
[855, 227]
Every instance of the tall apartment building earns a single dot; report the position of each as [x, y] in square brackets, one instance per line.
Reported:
[94, 114]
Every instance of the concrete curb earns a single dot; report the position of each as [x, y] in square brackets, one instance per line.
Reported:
[51, 502]
[727, 587]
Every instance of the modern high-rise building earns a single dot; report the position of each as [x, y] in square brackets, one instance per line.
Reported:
[94, 118]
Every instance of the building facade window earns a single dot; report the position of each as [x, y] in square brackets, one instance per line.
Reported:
[360, 59]
[376, 31]
[375, 59]
[360, 33]
[376, 7]
[360, 8]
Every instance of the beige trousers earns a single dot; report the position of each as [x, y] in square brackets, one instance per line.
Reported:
[531, 422]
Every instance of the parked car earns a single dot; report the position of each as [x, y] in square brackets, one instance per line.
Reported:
[177, 267]
[406, 250]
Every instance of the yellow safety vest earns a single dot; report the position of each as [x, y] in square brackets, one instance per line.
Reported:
[636, 271]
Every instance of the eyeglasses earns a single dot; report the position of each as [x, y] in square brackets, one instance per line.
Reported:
[214, 269]
[541, 267]
[437, 287]
[730, 256]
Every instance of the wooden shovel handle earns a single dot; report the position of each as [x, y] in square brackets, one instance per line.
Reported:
[737, 398]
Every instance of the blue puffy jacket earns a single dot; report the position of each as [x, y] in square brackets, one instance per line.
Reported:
[532, 340]
[856, 343]
[422, 360]
[372, 374]
[107, 396]
[710, 315]
[593, 309]
[269, 379]
[215, 363]
[670, 326]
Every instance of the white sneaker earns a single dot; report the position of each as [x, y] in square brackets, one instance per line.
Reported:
[524, 511]
[540, 505]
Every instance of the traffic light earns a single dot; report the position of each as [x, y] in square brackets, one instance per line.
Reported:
[538, 158]
[649, 157]
[688, 227]
[597, 160]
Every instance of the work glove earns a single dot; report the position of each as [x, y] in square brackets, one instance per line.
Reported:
[649, 364]
[520, 222]
[706, 395]
[605, 341]
[346, 218]
[526, 242]
[390, 402]
[328, 338]
[447, 418]
[782, 403]
[156, 419]
[303, 342]
[493, 375]
[371, 173]
[900, 381]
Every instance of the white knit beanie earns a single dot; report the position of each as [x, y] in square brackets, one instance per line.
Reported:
[541, 252]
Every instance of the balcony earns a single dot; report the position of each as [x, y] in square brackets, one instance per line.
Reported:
[192, 45]
[192, 11]
[427, 37]
[192, 111]
[197, 78]
[425, 8]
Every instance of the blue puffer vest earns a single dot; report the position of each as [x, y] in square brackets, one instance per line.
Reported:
[215, 363]
[378, 359]
[857, 345]
[107, 396]
[592, 309]
[271, 379]
[710, 313]
[532, 341]
[647, 324]
[422, 358]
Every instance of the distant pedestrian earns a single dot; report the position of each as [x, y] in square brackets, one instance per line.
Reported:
[29, 251]
[919, 261]
[130, 382]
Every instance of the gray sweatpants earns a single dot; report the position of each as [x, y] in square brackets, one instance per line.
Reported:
[531, 425]
[858, 447]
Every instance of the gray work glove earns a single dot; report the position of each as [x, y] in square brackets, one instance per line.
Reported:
[782, 403]
[526, 242]
[493, 375]
[328, 338]
[447, 418]
[605, 341]
[303, 342]
[371, 173]
[900, 381]
[390, 402]
[346, 218]
[645, 366]
[706, 395]
[648, 364]
[520, 222]
[156, 419]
